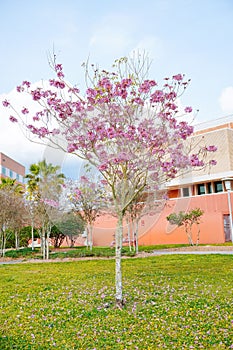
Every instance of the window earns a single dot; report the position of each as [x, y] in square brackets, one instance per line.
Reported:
[218, 186]
[3, 170]
[11, 174]
[201, 189]
[185, 192]
[209, 187]
[17, 177]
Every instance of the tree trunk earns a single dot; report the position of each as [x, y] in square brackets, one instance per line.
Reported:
[118, 248]
[189, 234]
[47, 241]
[128, 234]
[32, 234]
[3, 243]
[43, 243]
[136, 236]
[16, 240]
[90, 237]
[198, 234]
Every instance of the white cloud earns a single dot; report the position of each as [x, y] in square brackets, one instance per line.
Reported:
[13, 142]
[16, 145]
[226, 100]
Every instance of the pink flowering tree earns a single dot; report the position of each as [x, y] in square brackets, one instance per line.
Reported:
[147, 203]
[125, 124]
[88, 199]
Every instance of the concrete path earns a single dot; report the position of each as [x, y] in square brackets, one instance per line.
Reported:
[10, 262]
[163, 252]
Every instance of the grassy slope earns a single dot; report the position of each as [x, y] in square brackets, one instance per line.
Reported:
[172, 302]
[27, 253]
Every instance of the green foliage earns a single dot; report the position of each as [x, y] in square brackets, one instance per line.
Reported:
[24, 237]
[71, 224]
[22, 253]
[172, 302]
[181, 218]
[57, 236]
[187, 220]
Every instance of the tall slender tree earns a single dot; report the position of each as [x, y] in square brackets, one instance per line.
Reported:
[125, 125]
[44, 188]
[88, 200]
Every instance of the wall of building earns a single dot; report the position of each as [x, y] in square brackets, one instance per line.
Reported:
[155, 229]
[11, 168]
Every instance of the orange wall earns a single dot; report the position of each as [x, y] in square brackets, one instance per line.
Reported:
[157, 230]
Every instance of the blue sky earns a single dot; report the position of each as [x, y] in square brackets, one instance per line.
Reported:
[182, 36]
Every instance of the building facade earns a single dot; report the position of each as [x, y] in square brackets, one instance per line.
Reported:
[9, 168]
[204, 189]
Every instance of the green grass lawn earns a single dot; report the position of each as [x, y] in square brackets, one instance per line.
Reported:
[172, 302]
[76, 252]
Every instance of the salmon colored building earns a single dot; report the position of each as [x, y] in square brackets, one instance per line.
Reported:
[204, 189]
[9, 168]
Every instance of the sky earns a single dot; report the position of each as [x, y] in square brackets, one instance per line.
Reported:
[193, 37]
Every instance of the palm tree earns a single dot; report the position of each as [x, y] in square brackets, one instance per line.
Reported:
[11, 185]
[44, 182]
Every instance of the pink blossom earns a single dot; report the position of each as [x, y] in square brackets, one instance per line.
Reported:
[57, 84]
[213, 162]
[6, 103]
[138, 101]
[60, 75]
[13, 119]
[188, 109]
[36, 94]
[126, 82]
[178, 77]
[74, 90]
[185, 130]
[195, 161]
[211, 148]
[25, 110]
[171, 95]
[26, 83]
[19, 88]
[42, 132]
[105, 83]
[58, 67]
[146, 86]
[103, 167]
[157, 96]
[71, 148]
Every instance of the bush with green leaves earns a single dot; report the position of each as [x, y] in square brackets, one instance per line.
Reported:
[187, 220]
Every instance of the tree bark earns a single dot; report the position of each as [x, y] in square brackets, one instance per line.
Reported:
[90, 237]
[43, 243]
[136, 236]
[198, 234]
[32, 233]
[16, 240]
[118, 272]
[128, 234]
